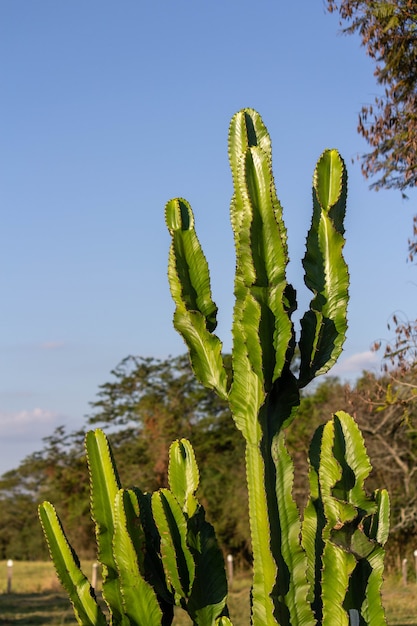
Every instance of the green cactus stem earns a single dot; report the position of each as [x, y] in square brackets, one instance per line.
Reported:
[156, 550]
[264, 392]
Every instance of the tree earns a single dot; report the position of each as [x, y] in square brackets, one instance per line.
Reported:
[401, 352]
[57, 471]
[149, 403]
[388, 30]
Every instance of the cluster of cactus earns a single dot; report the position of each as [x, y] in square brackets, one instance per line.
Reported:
[156, 550]
[324, 568]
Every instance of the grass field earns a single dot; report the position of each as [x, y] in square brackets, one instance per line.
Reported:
[36, 598]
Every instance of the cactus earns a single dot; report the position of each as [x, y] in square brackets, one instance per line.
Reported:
[344, 529]
[264, 392]
[157, 550]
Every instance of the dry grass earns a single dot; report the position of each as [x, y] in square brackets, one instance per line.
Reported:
[37, 599]
[400, 602]
[34, 576]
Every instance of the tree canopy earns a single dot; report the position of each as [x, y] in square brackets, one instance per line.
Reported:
[147, 403]
[388, 31]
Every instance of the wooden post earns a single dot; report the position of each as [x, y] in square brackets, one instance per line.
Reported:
[415, 562]
[9, 575]
[94, 576]
[229, 561]
[404, 570]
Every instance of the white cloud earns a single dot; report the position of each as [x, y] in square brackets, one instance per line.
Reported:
[26, 421]
[355, 364]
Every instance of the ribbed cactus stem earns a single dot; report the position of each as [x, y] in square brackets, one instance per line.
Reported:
[157, 550]
[264, 392]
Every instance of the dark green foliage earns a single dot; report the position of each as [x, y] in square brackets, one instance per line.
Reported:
[58, 471]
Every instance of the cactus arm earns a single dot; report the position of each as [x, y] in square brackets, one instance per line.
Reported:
[246, 131]
[247, 391]
[323, 327]
[195, 314]
[369, 572]
[372, 610]
[86, 609]
[270, 258]
[350, 451]
[183, 475]
[207, 600]
[261, 251]
[128, 530]
[264, 566]
[380, 523]
[312, 541]
[153, 566]
[104, 485]
[344, 529]
[339, 484]
[139, 599]
[338, 565]
[292, 586]
[177, 559]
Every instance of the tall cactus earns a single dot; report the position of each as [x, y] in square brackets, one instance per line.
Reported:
[264, 392]
[157, 550]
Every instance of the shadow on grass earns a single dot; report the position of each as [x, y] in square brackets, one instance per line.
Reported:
[28, 609]
[54, 609]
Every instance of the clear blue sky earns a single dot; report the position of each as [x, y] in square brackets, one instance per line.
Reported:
[108, 109]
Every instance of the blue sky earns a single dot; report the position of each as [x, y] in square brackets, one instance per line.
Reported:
[108, 109]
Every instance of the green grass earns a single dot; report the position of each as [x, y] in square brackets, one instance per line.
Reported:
[37, 598]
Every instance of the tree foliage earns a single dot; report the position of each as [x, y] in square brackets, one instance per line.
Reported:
[57, 470]
[388, 31]
[400, 354]
[143, 392]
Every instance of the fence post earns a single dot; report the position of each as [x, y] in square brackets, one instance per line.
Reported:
[9, 575]
[229, 560]
[404, 569]
[94, 576]
[415, 562]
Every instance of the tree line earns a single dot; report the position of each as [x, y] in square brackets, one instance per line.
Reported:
[149, 402]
